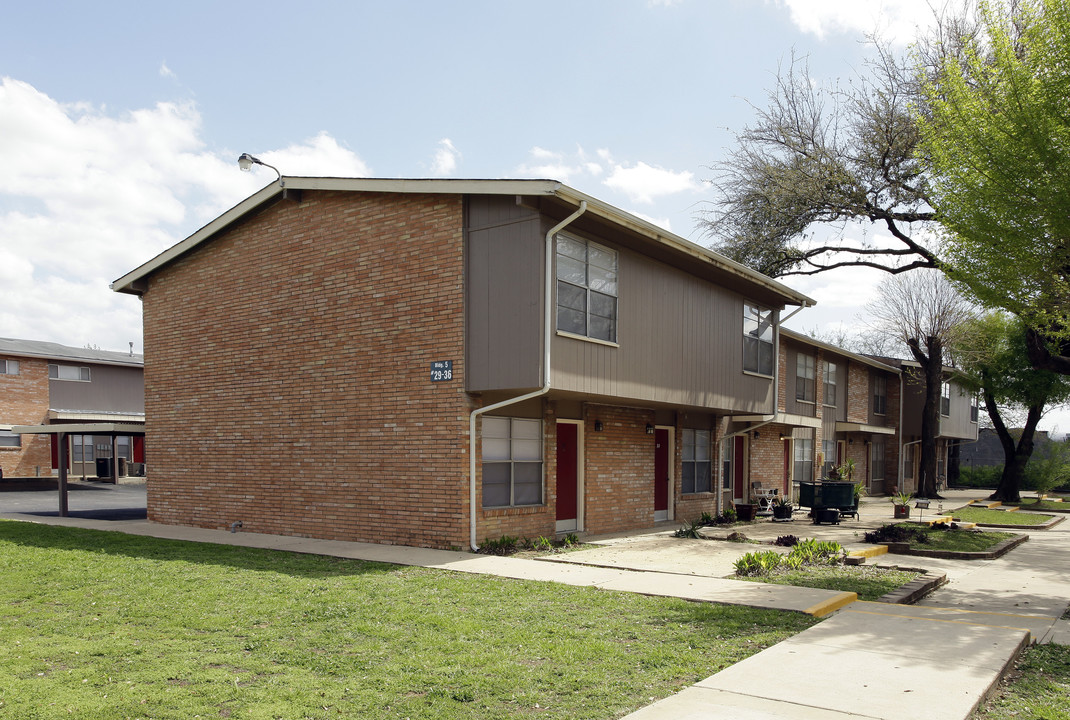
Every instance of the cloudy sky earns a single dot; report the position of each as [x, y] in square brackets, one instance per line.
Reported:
[121, 122]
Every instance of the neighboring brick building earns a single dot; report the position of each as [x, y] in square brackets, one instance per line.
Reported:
[833, 405]
[46, 384]
[316, 357]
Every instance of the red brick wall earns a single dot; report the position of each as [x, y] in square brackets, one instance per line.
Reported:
[619, 469]
[287, 369]
[857, 393]
[24, 401]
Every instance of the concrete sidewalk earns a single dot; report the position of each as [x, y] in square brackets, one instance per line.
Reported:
[870, 660]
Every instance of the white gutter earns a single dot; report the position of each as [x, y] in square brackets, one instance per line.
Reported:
[547, 324]
[902, 445]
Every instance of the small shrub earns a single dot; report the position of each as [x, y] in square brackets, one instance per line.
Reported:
[818, 552]
[898, 532]
[505, 545]
[543, 544]
[706, 519]
[757, 563]
[787, 541]
[727, 517]
[689, 530]
[571, 540]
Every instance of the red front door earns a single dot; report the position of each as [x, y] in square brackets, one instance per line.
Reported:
[661, 470]
[567, 465]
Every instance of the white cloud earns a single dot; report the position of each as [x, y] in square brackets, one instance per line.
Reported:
[445, 158]
[86, 196]
[643, 183]
[894, 20]
[166, 71]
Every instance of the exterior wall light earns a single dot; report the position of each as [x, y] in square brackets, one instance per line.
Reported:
[649, 429]
[598, 426]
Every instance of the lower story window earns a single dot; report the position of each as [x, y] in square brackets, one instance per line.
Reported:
[829, 448]
[697, 467]
[804, 459]
[512, 462]
[9, 439]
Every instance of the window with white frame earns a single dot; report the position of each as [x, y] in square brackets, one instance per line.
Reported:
[586, 289]
[9, 367]
[512, 462]
[9, 438]
[803, 459]
[697, 469]
[908, 461]
[68, 372]
[757, 340]
[804, 377]
[828, 382]
[876, 459]
[945, 399]
[880, 395]
[82, 448]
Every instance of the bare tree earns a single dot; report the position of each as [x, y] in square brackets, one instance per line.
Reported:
[925, 313]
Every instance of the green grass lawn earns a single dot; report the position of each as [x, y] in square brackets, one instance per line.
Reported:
[97, 625]
[1029, 504]
[998, 517]
[1038, 687]
[869, 582]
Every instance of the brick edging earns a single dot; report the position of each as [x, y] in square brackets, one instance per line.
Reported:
[998, 551]
[914, 590]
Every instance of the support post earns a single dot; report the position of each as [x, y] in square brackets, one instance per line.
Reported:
[61, 440]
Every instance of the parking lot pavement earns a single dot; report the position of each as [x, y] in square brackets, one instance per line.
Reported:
[91, 500]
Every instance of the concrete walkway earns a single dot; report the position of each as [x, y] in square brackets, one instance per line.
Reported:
[869, 660]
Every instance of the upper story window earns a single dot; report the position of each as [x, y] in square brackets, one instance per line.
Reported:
[804, 377]
[829, 381]
[68, 372]
[945, 399]
[586, 289]
[973, 408]
[757, 340]
[8, 438]
[9, 367]
[880, 395]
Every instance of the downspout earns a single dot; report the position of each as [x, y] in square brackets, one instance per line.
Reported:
[776, 407]
[547, 324]
[899, 430]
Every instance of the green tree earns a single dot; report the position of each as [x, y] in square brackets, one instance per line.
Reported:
[994, 124]
[994, 362]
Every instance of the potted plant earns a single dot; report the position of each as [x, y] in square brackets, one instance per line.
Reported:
[901, 503]
[782, 508]
[746, 512]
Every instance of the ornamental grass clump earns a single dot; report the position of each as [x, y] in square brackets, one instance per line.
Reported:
[803, 553]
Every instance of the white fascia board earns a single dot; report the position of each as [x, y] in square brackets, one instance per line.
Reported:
[862, 427]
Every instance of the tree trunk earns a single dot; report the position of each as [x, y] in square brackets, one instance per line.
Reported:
[1016, 455]
[932, 366]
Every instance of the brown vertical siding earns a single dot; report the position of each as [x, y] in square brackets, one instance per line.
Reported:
[504, 288]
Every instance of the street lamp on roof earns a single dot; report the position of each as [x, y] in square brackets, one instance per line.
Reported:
[246, 162]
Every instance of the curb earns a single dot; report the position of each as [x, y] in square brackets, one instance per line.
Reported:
[915, 589]
[998, 551]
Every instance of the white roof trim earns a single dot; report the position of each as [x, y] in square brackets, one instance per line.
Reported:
[472, 187]
[863, 427]
[81, 429]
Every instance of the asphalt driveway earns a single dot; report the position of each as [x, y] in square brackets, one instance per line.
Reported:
[91, 500]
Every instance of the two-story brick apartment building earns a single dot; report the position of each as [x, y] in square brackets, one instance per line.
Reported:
[48, 385]
[958, 421]
[832, 405]
[435, 362]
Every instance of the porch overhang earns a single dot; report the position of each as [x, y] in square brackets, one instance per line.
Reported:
[863, 427]
[789, 419]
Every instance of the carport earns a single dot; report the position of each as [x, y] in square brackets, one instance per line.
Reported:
[62, 433]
